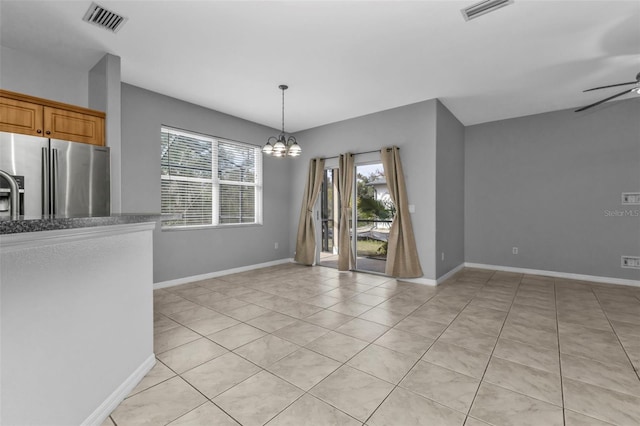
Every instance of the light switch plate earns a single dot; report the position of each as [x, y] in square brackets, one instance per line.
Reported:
[412, 208]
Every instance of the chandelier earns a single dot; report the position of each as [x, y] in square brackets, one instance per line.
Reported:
[282, 146]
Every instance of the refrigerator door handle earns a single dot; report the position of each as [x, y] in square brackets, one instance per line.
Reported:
[54, 181]
[45, 181]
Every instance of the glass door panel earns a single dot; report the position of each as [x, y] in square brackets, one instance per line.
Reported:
[329, 210]
[373, 216]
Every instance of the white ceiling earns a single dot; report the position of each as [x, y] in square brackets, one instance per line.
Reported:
[346, 59]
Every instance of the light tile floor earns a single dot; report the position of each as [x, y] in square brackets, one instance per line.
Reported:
[293, 345]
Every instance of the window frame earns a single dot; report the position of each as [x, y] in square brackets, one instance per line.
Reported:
[216, 182]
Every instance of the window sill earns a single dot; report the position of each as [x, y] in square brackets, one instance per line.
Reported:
[201, 227]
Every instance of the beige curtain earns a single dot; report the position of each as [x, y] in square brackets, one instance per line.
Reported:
[402, 255]
[345, 187]
[306, 240]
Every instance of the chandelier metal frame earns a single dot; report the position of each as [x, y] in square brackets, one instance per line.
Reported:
[282, 146]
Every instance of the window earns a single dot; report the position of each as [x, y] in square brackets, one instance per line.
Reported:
[209, 181]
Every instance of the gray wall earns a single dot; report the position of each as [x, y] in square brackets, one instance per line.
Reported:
[413, 129]
[32, 75]
[179, 254]
[544, 184]
[449, 191]
[104, 95]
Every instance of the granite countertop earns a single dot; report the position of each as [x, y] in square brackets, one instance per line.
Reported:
[51, 223]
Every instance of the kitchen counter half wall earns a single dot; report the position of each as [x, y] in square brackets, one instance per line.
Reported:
[52, 223]
[76, 318]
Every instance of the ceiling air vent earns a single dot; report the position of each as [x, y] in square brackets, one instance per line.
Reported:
[483, 7]
[98, 15]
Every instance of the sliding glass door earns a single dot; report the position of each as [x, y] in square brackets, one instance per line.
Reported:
[373, 213]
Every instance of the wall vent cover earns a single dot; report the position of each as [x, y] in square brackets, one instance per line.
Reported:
[483, 7]
[98, 15]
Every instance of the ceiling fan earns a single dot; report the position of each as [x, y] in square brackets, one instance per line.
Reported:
[633, 89]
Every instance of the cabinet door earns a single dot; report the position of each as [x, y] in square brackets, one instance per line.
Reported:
[73, 126]
[20, 117]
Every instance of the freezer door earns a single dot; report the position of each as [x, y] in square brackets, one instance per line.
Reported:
[80, 179]
[27, 156]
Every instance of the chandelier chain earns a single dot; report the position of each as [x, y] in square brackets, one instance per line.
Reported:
[282, 110]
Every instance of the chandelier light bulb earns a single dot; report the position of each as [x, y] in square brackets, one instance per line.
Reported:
[294, 150]
[279, 147]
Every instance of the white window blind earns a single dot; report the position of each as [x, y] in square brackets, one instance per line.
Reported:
[209, 181]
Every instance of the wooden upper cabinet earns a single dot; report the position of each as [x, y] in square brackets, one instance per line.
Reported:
[73, 126]
[40, 117]
[20, 117]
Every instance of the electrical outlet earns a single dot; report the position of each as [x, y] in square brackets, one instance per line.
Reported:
[630, 262]
[275, 246]
[514, 250]
[632, 198]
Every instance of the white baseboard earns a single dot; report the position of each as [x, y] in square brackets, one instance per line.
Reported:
[450, 273]
[555, 274]
[102, 412]
[432, 282]
[423, 281]
[185, 280]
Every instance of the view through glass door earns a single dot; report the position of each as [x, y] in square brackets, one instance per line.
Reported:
[329, 210]
[373, 215]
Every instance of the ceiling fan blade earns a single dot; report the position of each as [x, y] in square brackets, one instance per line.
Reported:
[611, 85]
[605, 100]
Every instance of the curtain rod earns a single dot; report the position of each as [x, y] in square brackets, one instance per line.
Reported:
[354, 153]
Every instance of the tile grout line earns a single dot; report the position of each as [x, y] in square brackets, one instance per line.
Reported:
[236, 384]
[265, 369]
[153, 386]
[195, 388]
[422, 356]
[395, 386]
[229, 351]
[369, 344]
[633, 367]
[516, 362]
[494, 346]
[211, 399]
[591, 289]
[299, 319]
[264, 307]
[267, 333]
[342, 364]
[555, 300]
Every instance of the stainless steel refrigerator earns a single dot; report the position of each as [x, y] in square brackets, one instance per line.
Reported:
[57, 177]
